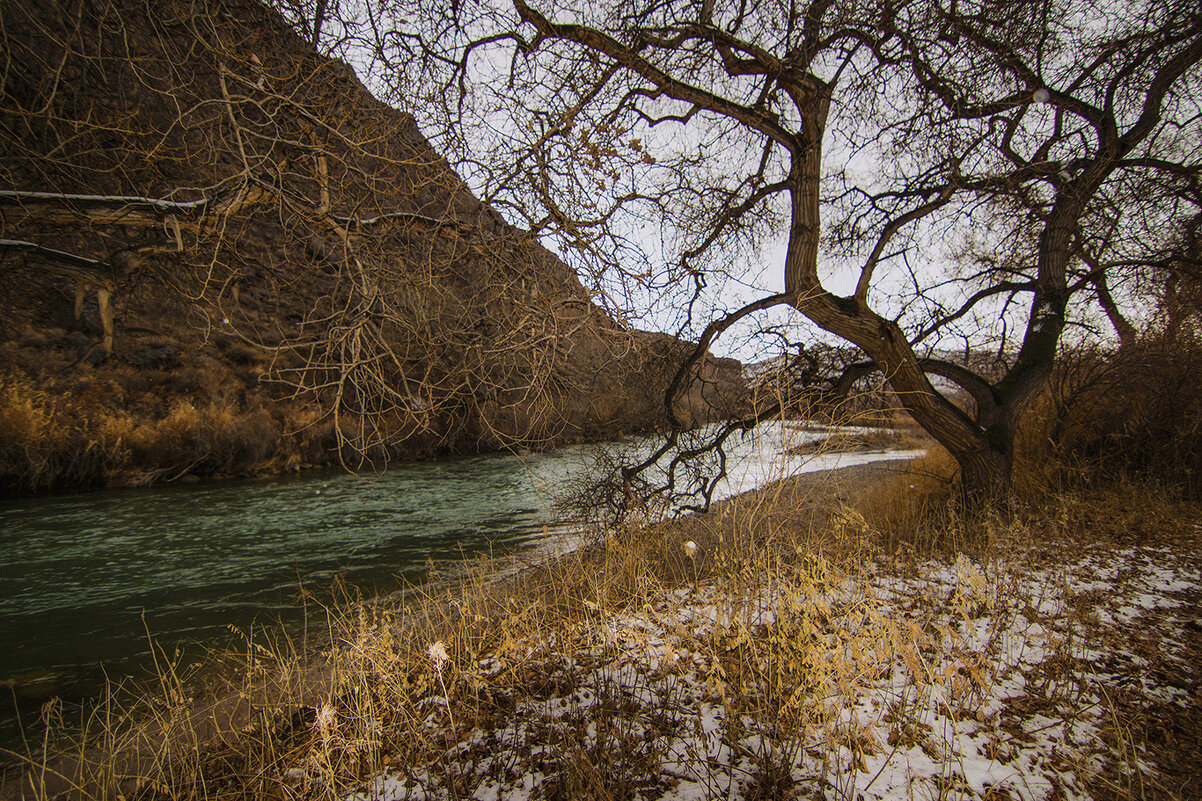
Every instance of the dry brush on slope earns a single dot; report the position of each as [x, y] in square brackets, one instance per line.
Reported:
[194, 200]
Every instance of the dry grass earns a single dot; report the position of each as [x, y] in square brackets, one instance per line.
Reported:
[95, 436]
[45, 439]
[867, 439]
[815, 640]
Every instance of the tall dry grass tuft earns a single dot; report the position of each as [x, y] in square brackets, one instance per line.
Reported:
[1134, 414]
[48, 440]
[917, 510]
[51, 440]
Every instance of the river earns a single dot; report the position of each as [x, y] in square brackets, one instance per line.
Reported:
[87, 579]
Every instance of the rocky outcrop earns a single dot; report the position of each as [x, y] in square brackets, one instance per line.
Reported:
[222, 254]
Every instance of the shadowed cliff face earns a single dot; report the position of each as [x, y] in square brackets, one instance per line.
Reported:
[223, 255]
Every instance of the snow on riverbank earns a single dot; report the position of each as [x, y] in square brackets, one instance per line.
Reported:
[773, 451]
[996, 681]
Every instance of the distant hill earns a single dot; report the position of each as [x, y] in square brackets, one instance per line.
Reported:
[221, 255]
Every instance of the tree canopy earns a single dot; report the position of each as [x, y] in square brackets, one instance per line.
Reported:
[993, 171]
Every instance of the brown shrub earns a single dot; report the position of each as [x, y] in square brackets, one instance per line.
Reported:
[49, 440]
[57, 440]
[1134, 414]
[215, 439]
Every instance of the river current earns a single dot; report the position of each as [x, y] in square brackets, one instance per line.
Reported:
[87, 580]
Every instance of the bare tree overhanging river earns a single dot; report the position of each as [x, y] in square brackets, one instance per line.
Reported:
[86, 580]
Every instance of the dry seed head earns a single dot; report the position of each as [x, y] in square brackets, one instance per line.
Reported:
[438, 654]
[326, 721]
[690, 548]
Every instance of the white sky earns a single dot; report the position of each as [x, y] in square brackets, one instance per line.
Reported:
[753, 276]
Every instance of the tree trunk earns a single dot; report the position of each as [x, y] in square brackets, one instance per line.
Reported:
[81, 294]
[104, 296]
[984, 478]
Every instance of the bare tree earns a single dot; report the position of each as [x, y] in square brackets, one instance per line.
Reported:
[979, 168]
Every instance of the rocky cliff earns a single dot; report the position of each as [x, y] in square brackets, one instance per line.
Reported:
[220, 255]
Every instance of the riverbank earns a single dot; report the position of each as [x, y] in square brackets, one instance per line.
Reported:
[787, 643]
[784, 648]
[121, 428]
[93, 578]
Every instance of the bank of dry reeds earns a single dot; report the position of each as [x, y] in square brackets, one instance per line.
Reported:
[70, 439]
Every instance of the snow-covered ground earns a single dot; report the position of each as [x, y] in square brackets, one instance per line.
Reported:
[918, 681]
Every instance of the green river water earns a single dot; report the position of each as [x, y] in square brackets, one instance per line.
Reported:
[88, 580]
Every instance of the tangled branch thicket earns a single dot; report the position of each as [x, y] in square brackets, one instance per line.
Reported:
[207, 174]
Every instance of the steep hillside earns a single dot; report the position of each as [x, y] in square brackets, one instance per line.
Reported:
[221, 255]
